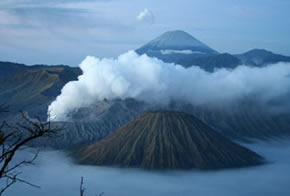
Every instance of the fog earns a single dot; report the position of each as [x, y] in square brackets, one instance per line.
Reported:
[153, 81]
[57, 175]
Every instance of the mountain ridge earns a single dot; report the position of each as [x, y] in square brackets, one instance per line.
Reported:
[34, 88]
[202, 55]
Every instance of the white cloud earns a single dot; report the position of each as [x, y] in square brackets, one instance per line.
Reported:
[153, 81]
[146, 16]
[180, 52]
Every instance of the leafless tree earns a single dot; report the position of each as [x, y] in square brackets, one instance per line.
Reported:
[16, 137]
[82, 188]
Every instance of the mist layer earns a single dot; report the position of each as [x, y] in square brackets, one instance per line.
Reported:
[55, 173]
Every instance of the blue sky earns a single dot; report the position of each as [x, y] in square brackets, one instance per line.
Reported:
[66, 31]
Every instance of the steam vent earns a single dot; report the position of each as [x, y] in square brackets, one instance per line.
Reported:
[167, 140]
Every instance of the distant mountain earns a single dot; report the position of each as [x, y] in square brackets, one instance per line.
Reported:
[181, 48]
[245, 120]
[174, 45]
[33, 88]
[210, 63]
[261, 57]
[8, 69]
[167, 140]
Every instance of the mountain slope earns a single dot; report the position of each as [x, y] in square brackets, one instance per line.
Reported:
[167, 140]
[174, 45]
[210, 63]
[33, 89]
[261, 57]
[245, 121]
[181, 48]
[8, 69]
[93, 123]
[177, 40]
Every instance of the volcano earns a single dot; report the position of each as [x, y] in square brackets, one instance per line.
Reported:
[179, 47]
[176, 42]
[172, 46]
[167, 140]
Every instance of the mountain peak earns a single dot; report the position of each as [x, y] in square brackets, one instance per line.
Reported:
[176, 42]
[177, 38]
[259, 52]
[261, 57]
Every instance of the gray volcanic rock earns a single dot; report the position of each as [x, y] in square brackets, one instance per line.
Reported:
[93, 123]
[244, 122]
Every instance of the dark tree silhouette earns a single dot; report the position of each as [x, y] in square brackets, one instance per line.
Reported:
[16, 137]
[83, 189]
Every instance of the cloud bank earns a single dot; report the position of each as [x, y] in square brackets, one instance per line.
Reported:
[57, 175]
[146, 16]
[153, 81]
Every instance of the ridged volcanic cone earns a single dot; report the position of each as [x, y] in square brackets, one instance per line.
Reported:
[167, 140]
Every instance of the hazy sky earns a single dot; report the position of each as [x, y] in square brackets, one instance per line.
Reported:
[66, 31]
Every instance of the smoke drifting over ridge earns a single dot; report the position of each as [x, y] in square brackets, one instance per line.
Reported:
[153, 81]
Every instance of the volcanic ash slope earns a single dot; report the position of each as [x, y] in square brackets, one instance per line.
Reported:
[167, 140]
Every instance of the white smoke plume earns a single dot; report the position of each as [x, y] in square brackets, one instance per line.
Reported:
[151, 80]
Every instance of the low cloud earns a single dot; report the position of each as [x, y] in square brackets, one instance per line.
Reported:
[153, 81]
[57, 175]
[146, 16]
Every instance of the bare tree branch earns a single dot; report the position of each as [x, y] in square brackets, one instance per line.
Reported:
[82, 189]
[14, 138]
